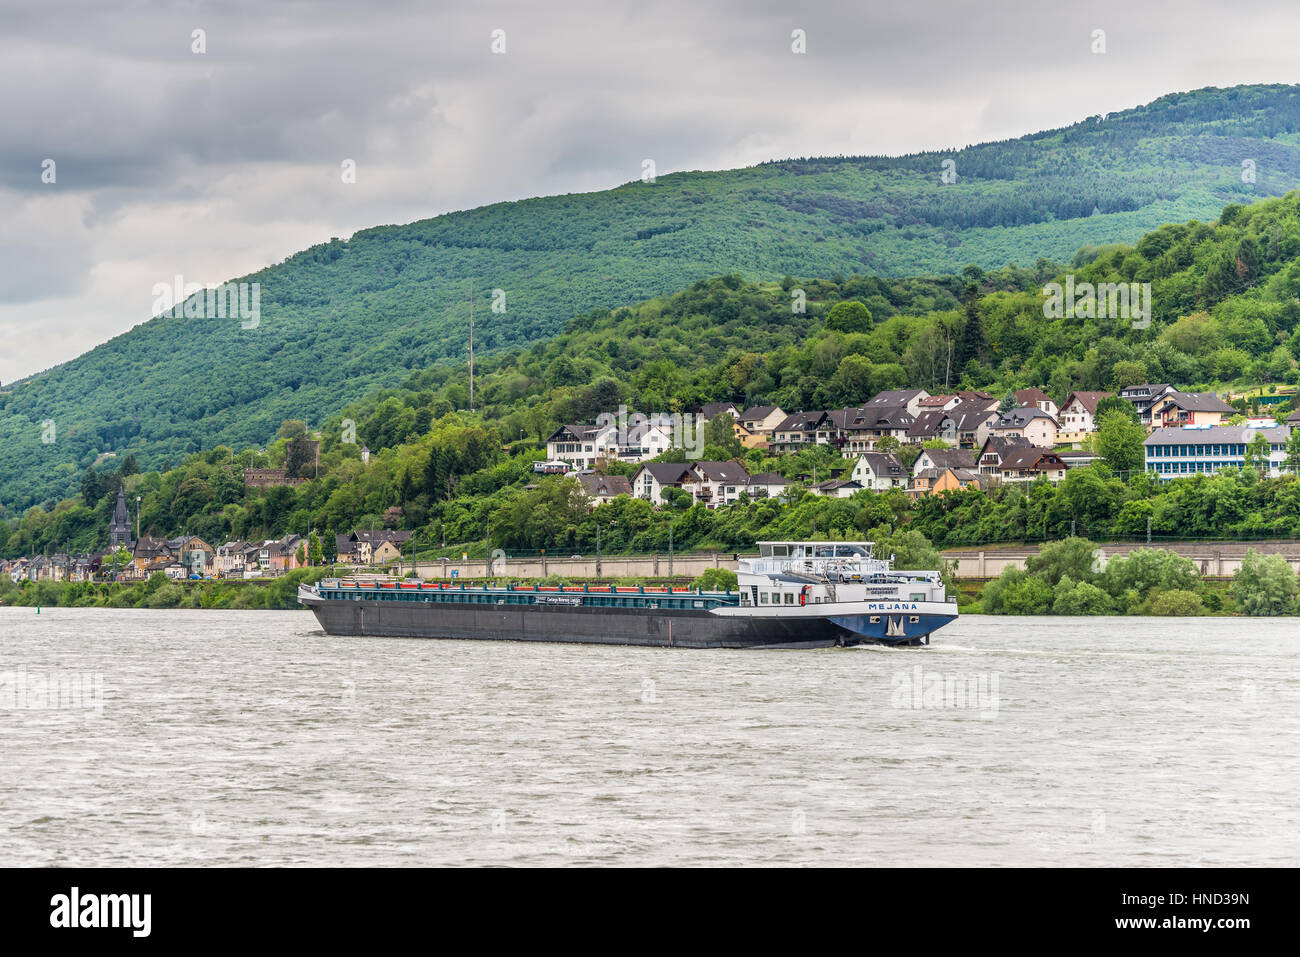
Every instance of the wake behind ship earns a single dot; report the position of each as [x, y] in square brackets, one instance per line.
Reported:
[793, 595]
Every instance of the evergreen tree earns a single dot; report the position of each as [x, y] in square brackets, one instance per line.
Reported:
[970, 343]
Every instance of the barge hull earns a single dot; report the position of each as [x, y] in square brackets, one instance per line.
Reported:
[590, 625]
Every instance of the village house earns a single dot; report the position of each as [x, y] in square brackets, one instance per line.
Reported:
[359, 547]
[971, 422]
[584, 446]
[228, 560]
[1143, 396]
[716, 483]
[1033, 424]
[1189, 408]
[652, 478]
[800, 430]
[1027, 463]
[767, 485]
[909, 399]
[990, 454]
[760, 420]
[748, 439]
[870, 425]
[1035, 398]
[711, 410]
[937, 403]
[932, 481]
[836, 488]
[928, 426]
[943, 459]
[603, 489]
[192, 552]
[879, 471]
[385, 553]
[1077, 416]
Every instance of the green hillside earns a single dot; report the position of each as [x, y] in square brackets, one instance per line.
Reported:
[1226, 311]
[344, 318]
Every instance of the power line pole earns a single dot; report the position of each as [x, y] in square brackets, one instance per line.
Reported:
[471, 346]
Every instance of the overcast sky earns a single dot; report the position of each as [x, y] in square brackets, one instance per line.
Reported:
[215, 164]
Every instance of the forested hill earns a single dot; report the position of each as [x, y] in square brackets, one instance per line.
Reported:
[342, 318]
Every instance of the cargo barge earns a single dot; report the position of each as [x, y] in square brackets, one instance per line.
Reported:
[793, 595]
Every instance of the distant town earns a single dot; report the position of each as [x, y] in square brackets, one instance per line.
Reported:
[904, 439]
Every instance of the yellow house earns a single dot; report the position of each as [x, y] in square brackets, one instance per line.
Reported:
[750, 439]
[385, 552]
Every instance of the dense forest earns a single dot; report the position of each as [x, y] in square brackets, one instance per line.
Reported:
[344, 319]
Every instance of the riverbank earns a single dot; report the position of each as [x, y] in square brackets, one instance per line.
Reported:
[1068, 578]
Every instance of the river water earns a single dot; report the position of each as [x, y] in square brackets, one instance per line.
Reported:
[252, 738]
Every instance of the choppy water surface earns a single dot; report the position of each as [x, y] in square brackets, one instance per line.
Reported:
[252, 738]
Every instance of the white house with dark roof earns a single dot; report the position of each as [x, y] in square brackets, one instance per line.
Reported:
[711, 410]
[1143, 395]
[1076, 420]
[990, 453]
[1037, 426]
[653, 477]
[909, 399]
[716, 483]
[767, 485]
[1029, 463]
[873, 424]
[582, 446]
[943, 459]
[836, 488]
[879, 471]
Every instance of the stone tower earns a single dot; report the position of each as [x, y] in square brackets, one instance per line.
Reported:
[119, 532]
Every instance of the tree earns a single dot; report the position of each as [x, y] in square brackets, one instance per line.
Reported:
[116, 560]
[849, 316]
[1147, 569]
[1080, 598]
[1129, 373]
[1257, 450]
[716, 579]
[1119, 442]
[1265, 585]
[720, 432]
[1071, 558]
[1172, 602]
[292, 429]
[970, 343]
[1293, 451]
[1113, 403]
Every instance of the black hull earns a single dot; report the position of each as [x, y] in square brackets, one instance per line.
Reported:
[603, 626]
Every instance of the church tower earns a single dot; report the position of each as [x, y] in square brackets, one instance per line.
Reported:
[119, 532]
